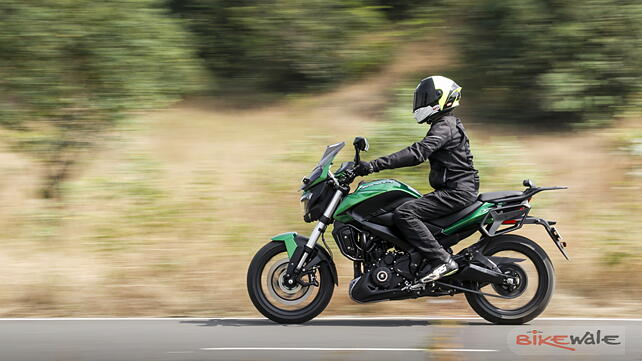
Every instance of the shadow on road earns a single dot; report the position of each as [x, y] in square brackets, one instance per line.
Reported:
[334, 323]
[482, 323]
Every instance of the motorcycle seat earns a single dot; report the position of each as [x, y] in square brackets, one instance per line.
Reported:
[495, 196]
[454, 217]
[387, 218]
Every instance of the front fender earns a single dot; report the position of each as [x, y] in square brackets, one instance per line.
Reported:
[294, 241]
[289, 238]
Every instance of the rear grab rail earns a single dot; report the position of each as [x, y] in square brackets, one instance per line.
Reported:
[511, 214]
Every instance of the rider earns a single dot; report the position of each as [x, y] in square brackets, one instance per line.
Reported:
[452, 173]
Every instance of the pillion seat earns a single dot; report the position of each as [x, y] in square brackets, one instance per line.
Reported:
[494, 196]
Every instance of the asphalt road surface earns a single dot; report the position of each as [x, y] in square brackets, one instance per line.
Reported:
[368, 339]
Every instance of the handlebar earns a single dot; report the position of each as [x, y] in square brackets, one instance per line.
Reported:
[349, 175]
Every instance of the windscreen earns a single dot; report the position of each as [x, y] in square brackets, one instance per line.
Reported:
[321, 169]
[330, 152]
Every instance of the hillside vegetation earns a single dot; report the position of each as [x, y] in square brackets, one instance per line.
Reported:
[164, 220]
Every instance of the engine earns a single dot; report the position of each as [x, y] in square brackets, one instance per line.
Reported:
[384, 277]
[385, 271]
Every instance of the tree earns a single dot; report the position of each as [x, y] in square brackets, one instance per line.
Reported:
[70, 69]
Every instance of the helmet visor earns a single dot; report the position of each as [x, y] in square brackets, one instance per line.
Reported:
[425, 94]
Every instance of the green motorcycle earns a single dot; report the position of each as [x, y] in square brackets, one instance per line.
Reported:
[506, 278]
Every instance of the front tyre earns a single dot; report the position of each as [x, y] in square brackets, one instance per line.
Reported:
[274, 299]
[529, 296]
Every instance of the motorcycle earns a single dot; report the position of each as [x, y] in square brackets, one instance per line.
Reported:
[506, 278]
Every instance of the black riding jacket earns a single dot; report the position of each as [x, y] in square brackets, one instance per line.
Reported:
[447, 148]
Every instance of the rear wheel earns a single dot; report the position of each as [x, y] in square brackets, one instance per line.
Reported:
[531, 289]
[278, 301]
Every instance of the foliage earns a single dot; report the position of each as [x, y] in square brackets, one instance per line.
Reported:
[283, 44]
[535, 60]
[70, 69]
[399, 10]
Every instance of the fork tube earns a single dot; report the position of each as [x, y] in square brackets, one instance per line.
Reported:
[320, 227]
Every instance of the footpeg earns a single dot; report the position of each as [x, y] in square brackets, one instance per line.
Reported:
[416, 287]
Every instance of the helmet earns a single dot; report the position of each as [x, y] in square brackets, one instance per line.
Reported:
[435, 95]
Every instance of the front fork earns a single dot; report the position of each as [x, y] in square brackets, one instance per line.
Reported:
[308, 248]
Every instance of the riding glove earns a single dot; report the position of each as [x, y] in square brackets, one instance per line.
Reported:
[363, 169]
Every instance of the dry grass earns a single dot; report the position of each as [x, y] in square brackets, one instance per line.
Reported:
[164, 220]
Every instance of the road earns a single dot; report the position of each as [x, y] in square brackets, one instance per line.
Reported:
[369, 339]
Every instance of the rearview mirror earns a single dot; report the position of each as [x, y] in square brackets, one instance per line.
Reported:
[528, 183]
[361, 144]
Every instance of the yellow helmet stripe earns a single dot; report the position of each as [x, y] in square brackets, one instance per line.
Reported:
[443, 84]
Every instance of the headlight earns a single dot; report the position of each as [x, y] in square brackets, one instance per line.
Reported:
[305, 199]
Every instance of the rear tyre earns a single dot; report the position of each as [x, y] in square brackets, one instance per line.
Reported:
[276, 301]
[542, 287]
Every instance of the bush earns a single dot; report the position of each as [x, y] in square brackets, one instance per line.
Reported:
[283, 44]
[534, 60]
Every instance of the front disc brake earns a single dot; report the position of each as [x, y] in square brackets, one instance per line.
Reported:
[280, 291]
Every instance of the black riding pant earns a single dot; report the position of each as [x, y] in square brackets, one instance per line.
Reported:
[410, 217]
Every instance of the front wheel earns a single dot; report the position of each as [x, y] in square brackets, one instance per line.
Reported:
[274, 299]
[528, 295]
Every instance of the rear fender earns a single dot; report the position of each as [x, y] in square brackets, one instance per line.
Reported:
[294, 244]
